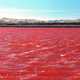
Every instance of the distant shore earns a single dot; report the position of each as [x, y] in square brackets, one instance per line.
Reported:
[51, 25]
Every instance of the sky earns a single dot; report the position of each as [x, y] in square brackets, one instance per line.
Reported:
[40, 9]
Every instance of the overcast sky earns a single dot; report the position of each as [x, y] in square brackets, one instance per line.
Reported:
[41, 9]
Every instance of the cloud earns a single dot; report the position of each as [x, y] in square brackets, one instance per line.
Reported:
[33, 13]
[24, 13]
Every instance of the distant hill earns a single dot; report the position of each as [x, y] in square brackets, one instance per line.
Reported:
[13, 21]
[20, 21]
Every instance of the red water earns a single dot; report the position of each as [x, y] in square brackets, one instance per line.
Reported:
[39, 54]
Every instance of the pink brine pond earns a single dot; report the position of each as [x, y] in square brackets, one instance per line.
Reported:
[39, 54]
